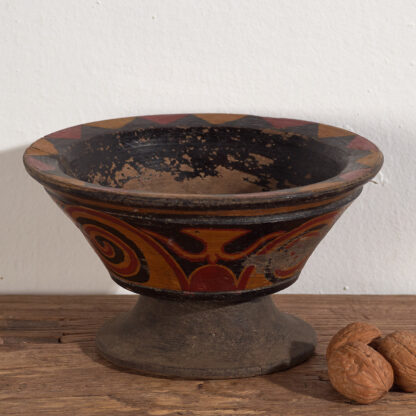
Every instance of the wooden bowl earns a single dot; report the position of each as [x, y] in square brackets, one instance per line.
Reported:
[204, 214]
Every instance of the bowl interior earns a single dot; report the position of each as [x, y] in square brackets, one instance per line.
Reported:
[202, 160]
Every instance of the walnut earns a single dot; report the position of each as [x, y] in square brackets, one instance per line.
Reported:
[357, 331]
[359, 372]
[399, 348]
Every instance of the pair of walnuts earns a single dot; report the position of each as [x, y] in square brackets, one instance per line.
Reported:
[363, 366]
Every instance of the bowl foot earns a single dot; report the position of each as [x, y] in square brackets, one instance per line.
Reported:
[197, 339]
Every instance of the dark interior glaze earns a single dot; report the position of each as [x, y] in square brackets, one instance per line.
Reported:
[199, 160]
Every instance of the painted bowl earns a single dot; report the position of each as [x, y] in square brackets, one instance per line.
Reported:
[203, 205]
[204, 215]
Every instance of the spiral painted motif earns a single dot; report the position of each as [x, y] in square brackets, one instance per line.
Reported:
[118, 252]
[142, 257]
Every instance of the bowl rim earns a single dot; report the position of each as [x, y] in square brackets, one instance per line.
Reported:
[364, 159]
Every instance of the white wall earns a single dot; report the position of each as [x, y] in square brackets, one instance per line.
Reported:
[347, 63]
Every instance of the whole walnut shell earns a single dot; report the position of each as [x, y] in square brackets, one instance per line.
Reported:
[399, 348]
[359, 372]
[357, 331]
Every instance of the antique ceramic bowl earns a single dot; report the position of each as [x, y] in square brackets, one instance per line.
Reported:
[205, 215]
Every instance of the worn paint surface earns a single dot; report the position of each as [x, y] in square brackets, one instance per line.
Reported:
[200, 259]
[203, 204]
[254, 159]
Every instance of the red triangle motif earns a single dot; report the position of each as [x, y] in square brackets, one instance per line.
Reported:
[38, 164]
[354, 174]
[282, 123]
[165, 118]
[359, 143]
[69, 133]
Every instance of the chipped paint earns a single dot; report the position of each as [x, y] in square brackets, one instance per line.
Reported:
[220, 160]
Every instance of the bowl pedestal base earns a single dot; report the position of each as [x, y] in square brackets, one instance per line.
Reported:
[205, 339]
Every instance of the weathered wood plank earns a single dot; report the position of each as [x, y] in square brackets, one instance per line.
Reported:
[49, 365]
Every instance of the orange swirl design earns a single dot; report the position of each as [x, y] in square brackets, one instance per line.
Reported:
[105, 244]
[129, 253]
[144, 257]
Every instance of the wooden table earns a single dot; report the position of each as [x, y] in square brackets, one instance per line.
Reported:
[49, 366]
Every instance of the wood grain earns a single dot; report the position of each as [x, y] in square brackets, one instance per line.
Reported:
[49, 365]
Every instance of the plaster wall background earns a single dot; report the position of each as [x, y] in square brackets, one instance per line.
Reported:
[347, 63]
